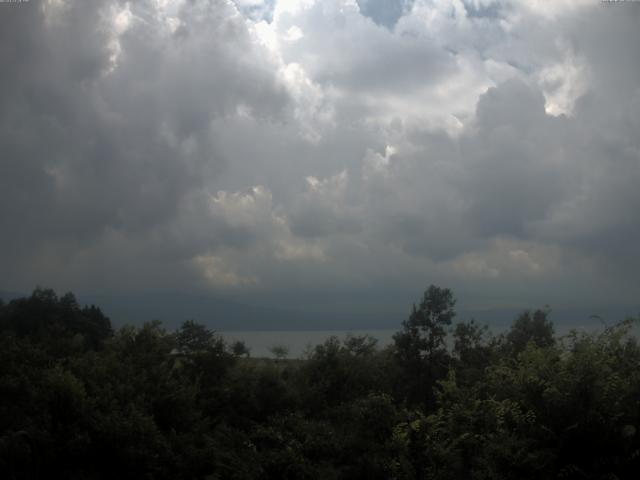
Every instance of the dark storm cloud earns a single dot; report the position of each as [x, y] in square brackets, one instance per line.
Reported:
[41, 75]
[208, 144]
[599, 216]
[106, 131]
[510, 179]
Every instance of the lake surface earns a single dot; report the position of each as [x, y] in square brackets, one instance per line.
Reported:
[298, 342]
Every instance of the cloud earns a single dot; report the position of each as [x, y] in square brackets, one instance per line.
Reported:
[330, 146]
[98, 141]
[324, 209]
[220, 275]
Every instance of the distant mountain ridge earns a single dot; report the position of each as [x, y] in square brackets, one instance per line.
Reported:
[7, 296]
[231, 314]
[225, 314]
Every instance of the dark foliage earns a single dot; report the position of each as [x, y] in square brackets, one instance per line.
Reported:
[420, 346]
[79, 400]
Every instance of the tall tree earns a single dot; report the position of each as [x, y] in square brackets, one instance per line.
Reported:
[420, 345]
[536, 328]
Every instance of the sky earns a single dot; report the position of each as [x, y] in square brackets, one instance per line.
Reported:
[323, 152]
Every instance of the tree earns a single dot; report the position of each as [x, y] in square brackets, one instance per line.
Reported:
[337, 372]
[239, 349]
[279, 351]
[472, 349]
[58, 323]
[205, 360]
[195, 338]
[536, 328]
[420, 345]
[97, 325]
[360, 346]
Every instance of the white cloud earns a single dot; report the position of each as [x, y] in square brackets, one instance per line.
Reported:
[219, 274]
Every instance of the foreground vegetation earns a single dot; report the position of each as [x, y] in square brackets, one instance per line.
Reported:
[79, 400]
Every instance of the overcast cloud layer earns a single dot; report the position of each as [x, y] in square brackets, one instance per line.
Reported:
[258, 147]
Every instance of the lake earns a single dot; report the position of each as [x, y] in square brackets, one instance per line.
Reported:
[259, 342]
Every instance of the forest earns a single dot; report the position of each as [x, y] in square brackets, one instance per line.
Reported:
[446, 400]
